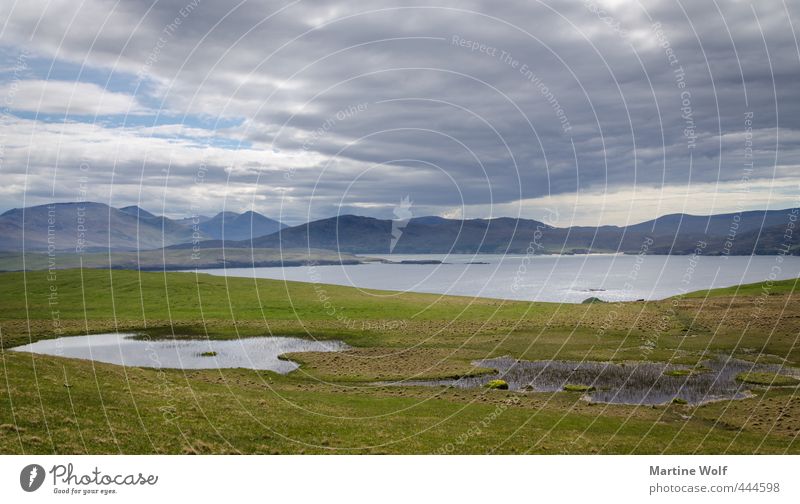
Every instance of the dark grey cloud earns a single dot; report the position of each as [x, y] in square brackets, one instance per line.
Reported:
[452, 103]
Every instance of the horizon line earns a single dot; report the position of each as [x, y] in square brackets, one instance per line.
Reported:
[410, 219]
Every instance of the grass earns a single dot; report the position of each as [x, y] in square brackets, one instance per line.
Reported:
[687, 372]
[497, 384]
[767, 288]
[332, 405]
[768, 379]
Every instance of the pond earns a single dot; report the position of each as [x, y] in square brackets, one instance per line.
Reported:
[135, 350]
[636, 383]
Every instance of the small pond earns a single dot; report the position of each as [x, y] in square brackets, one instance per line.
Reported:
[624, 383]
[134, 350]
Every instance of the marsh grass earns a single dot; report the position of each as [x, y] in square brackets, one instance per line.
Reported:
[688, 372]
[633, 383]
[768, 379]
[497, 384]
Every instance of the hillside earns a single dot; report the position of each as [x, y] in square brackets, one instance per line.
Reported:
[95, 227]
[87, 226]
[234, 226]
[757, 232]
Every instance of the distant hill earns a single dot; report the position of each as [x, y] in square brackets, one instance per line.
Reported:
[354, 234]
[191, 221]
[670, 225]
[89, 226]
[182, 259]
[137, 212]
[97, 227]
[755, 232]
[234, 226]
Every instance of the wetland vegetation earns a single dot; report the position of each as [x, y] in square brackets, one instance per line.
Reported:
[633, 383]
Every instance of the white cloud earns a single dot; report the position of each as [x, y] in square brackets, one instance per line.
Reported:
[625, 206]
[67, 97]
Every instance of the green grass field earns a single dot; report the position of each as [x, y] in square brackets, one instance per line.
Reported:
[332, 404]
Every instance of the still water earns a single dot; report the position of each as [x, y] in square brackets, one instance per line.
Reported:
[566, 279]
[641, 383]
[127, 350]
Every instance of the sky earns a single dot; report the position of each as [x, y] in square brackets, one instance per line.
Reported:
[584, 112]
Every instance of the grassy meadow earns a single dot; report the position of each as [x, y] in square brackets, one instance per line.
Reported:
[334, 403]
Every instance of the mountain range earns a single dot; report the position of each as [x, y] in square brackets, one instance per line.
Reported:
[745, 233]
[88, 227]
[92, 227]
[244, 226]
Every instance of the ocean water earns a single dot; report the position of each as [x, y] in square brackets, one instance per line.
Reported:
[565, 279]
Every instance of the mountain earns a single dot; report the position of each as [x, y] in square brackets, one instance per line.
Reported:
[234, 226]
[87, 226]
[670, 225]
[97, 227]
[759, 232]
[191, 221]
[137, 212]
[357, 234]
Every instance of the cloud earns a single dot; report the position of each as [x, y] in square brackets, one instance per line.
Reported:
[334, 106]
[623, 206]
[67, 98]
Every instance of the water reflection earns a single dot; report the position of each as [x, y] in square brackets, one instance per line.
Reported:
[624, 383]
[125, 349]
